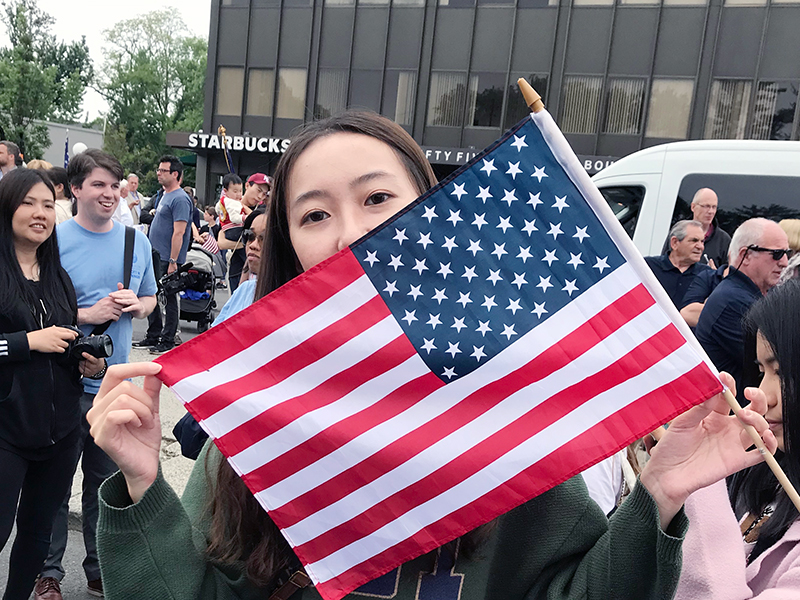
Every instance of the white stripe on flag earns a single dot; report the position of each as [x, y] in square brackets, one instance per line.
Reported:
[571, 316]
[517, 460]
[359, 399]
[306, 379]
[270, 347]
[473, 433]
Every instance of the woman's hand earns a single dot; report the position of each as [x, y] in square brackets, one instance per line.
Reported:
[51, 339]
[702, 446]
[124, 422]
[90, 366]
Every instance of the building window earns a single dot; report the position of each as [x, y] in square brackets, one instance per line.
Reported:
[373, 2]
[399, 93]
[331, 93]
[640, 2]
[230, 90]
[536, 3]
[624, 106]
[685, 2]
[593, 2]
[340, 2]
[670, 107]
[727, 109]
[447, 99]
[581, 103]
[291, 94]
[457, 3]
[774, 109]
[485, 99]
[495, 2]
[745, 2]
[260, 89]
[516, 108]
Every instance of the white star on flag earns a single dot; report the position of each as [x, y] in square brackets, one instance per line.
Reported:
[561, 203]
[424, 239]
[534, 199]
[400, 236]
[484, 194]
[480, 221]
[513, 170]
[539, 173]
[519, 143]
[550, 257]
[580, 233]
[430, 213]
[395, 262]
[420, 266]
[433, 321]
[488, 166]
[449, 243]
[372, 258]
[391, 288]
[459, 190]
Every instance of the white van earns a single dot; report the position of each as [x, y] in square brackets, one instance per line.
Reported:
[651, 189]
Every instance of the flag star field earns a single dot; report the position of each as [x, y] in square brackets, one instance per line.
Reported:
[483, 260]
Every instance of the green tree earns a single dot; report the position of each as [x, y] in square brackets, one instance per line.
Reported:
[41, 78]
[152, 78]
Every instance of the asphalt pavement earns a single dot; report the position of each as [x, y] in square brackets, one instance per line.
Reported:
[175, 467]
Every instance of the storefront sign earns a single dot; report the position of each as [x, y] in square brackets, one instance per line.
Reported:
[460, 156]
[237, 143]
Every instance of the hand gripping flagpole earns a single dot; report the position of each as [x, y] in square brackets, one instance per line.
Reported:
[534, 102]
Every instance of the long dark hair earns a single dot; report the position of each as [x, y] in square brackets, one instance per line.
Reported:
[754, 488]
[53, 280]
[240, 529]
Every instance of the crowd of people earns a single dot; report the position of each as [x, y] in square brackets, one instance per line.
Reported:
[76, 262]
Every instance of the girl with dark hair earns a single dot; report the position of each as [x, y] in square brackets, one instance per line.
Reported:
[753, 511]
[65, 206]
[40, 383]
[338, 180]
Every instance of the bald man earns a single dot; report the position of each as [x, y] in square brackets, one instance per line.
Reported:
[715, 239]
[759, 253]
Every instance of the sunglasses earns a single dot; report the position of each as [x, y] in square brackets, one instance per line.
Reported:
[248, 235]
[776, 254]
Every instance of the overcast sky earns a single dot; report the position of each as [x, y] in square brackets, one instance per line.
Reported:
[75, 18]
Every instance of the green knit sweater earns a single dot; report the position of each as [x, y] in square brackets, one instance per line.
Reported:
[556, 546]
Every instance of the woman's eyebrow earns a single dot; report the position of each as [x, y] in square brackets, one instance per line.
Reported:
[367, 177]
[309, 195]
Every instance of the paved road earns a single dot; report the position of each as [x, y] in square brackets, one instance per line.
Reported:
[175, 467]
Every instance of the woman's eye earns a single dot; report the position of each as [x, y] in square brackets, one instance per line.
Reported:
[378, 198]
[315, 216]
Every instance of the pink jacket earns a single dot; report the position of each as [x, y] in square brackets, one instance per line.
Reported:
[714, 562]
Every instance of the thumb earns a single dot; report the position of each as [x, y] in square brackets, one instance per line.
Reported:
[120, 286]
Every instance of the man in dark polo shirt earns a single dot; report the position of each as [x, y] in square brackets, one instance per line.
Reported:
[676, 269]
[758, 252]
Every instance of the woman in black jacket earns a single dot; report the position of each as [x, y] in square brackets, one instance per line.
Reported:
[40, 384]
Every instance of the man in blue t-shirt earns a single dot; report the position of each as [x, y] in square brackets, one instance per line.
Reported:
[92, 249]
[170, 234]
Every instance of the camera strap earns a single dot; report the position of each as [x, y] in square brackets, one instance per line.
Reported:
[130, 239]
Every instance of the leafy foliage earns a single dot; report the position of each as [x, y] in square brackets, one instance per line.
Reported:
[152, 78]
[41, 78]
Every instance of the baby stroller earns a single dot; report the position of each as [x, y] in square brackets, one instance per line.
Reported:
[195, 282]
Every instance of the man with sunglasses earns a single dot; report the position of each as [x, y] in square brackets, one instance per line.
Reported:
[759, 252]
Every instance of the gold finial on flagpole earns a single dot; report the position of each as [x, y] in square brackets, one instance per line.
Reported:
[221, 131]
[532, 99]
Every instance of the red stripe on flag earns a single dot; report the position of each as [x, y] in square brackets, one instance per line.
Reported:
[471, 461]
[316, 347]
[344, 382]
[638, 418]
[394, 454]
[262, 318]
[335, 436]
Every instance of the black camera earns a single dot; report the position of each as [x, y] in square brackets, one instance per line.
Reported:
[99, 346]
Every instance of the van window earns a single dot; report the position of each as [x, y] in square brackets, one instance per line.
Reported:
[742, 197]
[625, 201]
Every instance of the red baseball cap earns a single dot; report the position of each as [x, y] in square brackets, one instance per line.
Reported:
[259, 179]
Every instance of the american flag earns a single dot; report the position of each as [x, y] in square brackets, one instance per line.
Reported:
[495, 338]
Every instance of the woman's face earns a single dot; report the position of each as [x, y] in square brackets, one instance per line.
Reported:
[341, 187]
[253, 247]
[34, 219]
[771, 386]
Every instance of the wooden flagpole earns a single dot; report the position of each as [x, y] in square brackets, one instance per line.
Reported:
[534, 102]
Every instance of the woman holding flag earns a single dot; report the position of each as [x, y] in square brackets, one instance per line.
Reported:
[338, 180]
[752, 511]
